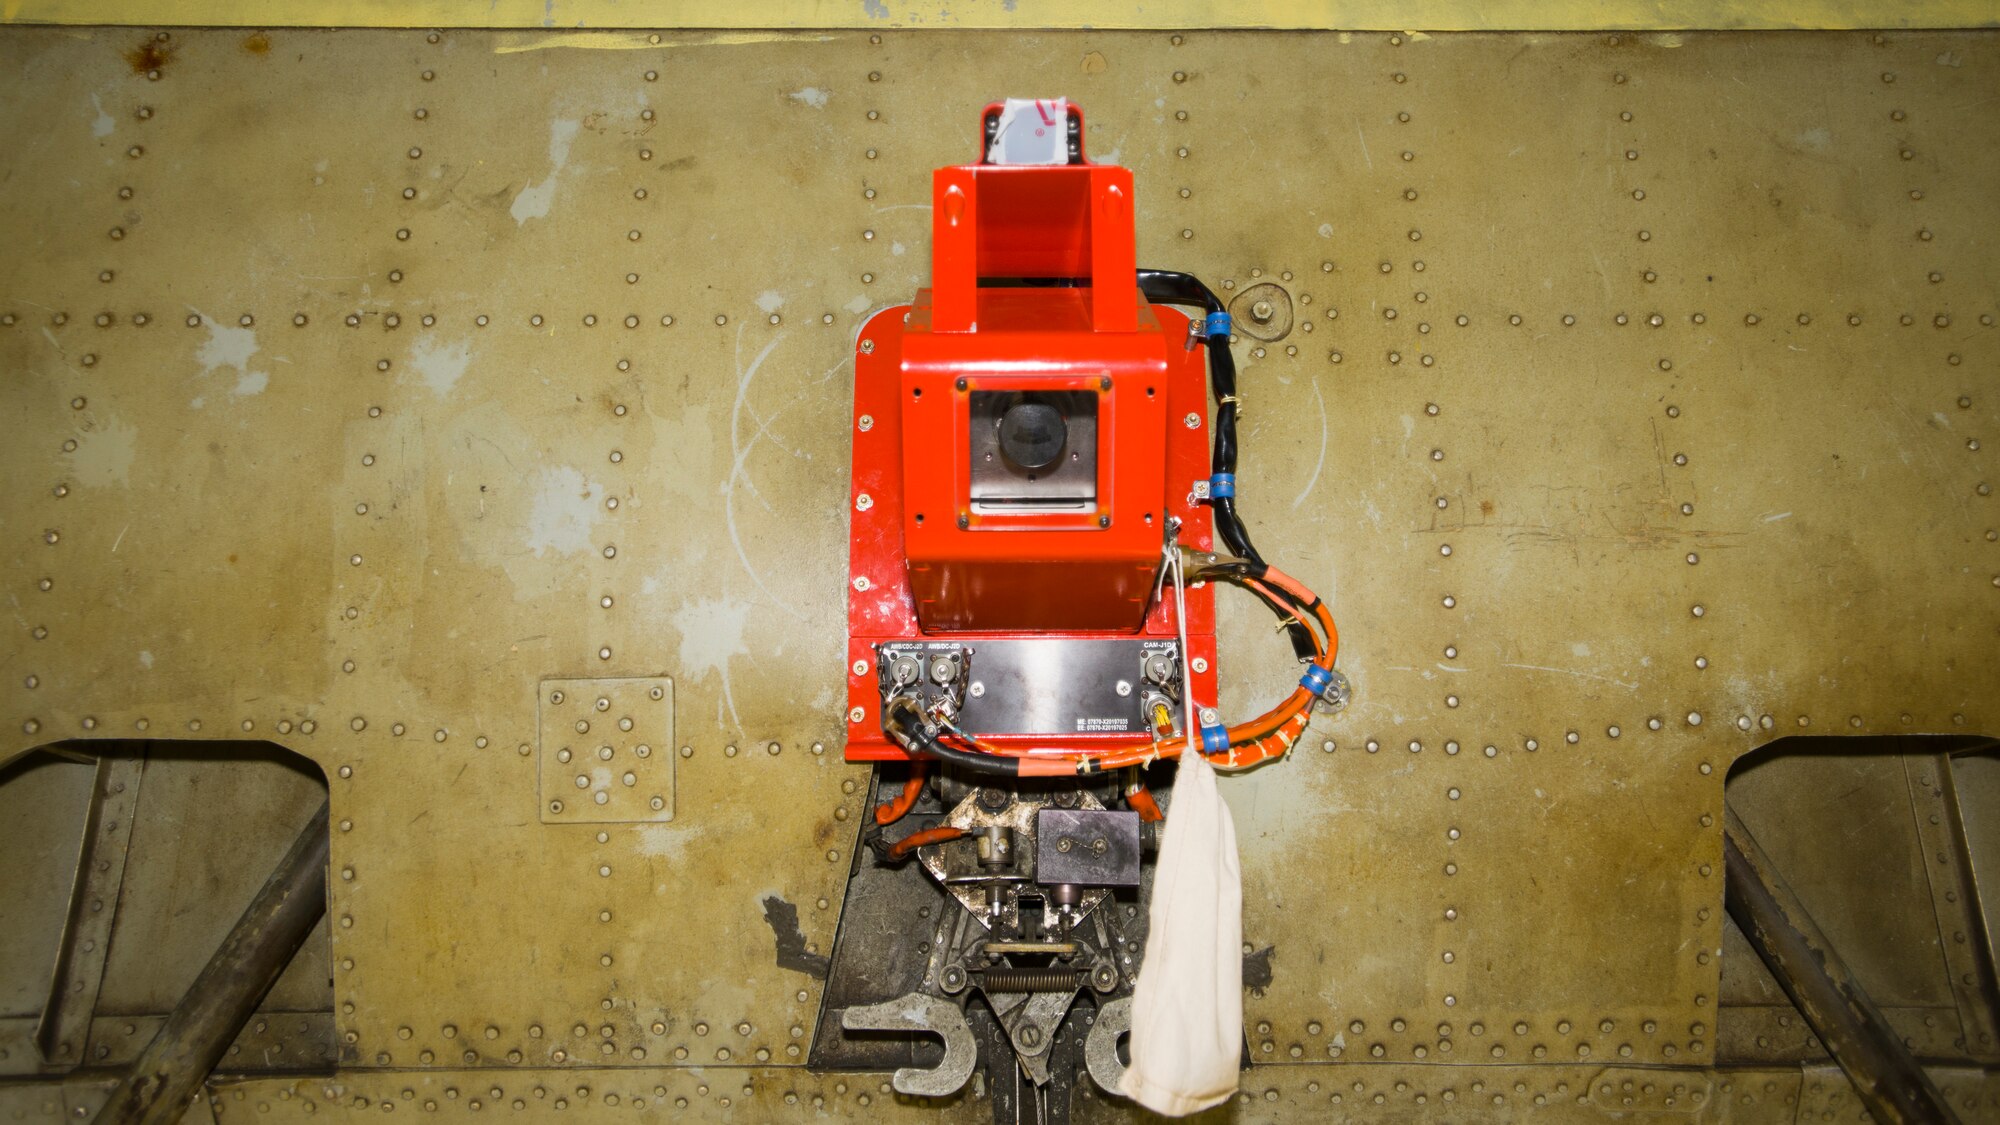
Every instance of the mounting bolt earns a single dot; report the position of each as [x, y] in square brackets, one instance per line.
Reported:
[866, 423]
[964, 521]
[856, 715]
[1104, 521]
[961, 384]
[1193, 420]
[1199, 663]
[1261, 312]
[861, 582]
[863, 502]
[1210, 716]
[977, 689]
[861, 667]
[867, 347]
[1124, 687]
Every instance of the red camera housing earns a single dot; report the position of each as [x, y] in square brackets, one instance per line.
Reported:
[1034, 299]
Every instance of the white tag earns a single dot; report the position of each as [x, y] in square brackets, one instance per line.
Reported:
[1032, 131]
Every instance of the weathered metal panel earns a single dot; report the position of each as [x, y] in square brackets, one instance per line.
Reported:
[359, 382]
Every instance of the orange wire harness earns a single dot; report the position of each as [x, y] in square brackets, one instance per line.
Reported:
[1263, 738]
[899, 806]
[942, 834]
[1142, 802]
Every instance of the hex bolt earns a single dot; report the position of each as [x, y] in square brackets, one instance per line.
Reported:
[1193, 420]
[1261, 312]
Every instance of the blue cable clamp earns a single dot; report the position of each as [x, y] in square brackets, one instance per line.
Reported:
[1316, 679]
[1214, 739]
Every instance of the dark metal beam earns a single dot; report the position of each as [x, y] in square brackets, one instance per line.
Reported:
[158, 1086]
[93, 908]
[1888, 1080]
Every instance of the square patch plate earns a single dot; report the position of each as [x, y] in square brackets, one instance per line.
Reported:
[607, 750]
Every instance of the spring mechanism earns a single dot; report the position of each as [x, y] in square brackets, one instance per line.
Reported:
[1032, 980]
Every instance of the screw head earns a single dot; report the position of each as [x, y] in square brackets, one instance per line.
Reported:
[867, 347]
[856, 714]
[1124, 687]
[1192, 421]
[866, 422]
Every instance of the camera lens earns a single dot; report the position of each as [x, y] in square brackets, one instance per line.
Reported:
[1032, 434]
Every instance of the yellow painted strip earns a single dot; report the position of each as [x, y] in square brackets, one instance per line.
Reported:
[515, 43]
[1358, 15]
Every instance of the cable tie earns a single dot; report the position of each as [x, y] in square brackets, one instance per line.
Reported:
[1217, 324]
[1221, 485]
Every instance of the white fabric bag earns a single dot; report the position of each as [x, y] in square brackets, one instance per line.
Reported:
[1187, 1011]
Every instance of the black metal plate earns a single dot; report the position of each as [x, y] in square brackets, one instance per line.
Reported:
[1060, 687]
[1088, 847]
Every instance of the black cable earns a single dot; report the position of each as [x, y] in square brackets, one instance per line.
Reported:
[1166, 287]
[907, 726]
